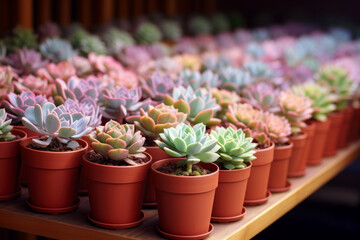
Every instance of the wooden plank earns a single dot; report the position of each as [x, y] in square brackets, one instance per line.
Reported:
[44, 12]
[85, 12]
[24, 13]
[64, 12]
[105, 11]
[17, 216]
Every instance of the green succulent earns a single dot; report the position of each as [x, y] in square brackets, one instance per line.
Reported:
[199, 25]
[190, 142]
[220, 23]
[118, 142]
[20, 38]
[235, 148]
[148, 33]
[171, 30]
[77, 36]
[5, 127]
[116, 40]
[92, 44]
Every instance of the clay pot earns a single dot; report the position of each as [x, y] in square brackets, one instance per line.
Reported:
[357, 114]
[309, 130]
[83, 190]
[156, 155]
[257, 187]
[355, 124]
[230, 195]
[336, 120]
[10, 167]
[53, 178]
[115, 193]
[318, 143]
[185, 202]
[279, 169]
[342, 140]
[297, 162]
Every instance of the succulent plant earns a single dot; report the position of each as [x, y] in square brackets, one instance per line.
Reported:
[199, 106]
[57, 124]
[242, 36]
[92, 44]
[215, 62]
[197, 80]
[17, 104]
[117, 39]
[116, 142]
[224, 98]
[51, 72]
[336, 79]
[277, 128]
[296, 108]
[234, 79]
[2, 52]
[77, 35]
[255, 50]
[205, 42]
[103, 63]
[20, 38]
[225, 40]
[7, 77]
[220, 23]
[199, 25]
[147, 33]
[189, 61]
[134, 56]
[185, 45]
[30, 82]
[171, 30]
[259, 70]
[88, 107]
[153, 122]
[56, 49]
[322, 99]
[235, 148]
[120, 102]
[5, 127]
[25, 61]
[190, 142]
[82, 65]
[165, 65]
[262, 95]
[48, 30]
[158, 50]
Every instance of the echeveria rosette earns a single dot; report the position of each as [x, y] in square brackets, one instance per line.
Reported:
[82, 65]
[197, 80]
[336, 79]
[117, 39]
[153, 122]
[7, 79]
[148, 33]
[191, 142]
[56, 123]
[103, 63]
[199, 25]
[189, 61]
[92, 44]
[30, 82]
[235, 148]
[118, 142]
[17, 104]
[171, 30]
[21, 37]
[224, 98]
[56, 49]
[88, 107]
[296, 108]
[120, 102]
[259, 70]
[5, 127]
[277, 128]
[63, 70]
[322, 99]
[220, 23]
[199, 106]
[234, 79]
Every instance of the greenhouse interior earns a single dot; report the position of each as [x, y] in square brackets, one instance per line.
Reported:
[179, 119]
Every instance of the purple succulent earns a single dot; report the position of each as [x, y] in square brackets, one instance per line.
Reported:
[48, 30]
[225, 40]
[134, 56]
[25, 61]
[185, 45]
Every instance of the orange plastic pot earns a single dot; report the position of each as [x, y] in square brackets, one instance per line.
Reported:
[257, 187]
[318, 143]
[53, 178]
[184, 202]
[279, 169]
[10, 167]
[230, 195]
[156, 155]
[83, 190]
[115, 193]
[342, 140]
[336, 120]
[297, 162]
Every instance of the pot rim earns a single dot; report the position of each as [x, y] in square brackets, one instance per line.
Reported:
[289, 145]
[17, 140]
[265, 149]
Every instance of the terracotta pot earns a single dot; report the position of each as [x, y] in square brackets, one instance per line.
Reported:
[156, 154]
[355, 124]
[318, 143]
[29, 133]
[184, 202]
[336, 120]
[230, 195]
[53, 178]
[10, 167]
[279, 169]
[351, 125]
[115, 193]
[83, 189]
[309, 130]
[257, 187]
[297, 162]
[342, 140]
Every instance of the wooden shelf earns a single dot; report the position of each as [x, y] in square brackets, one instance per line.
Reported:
[18, 216]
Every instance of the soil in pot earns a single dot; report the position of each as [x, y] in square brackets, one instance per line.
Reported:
[318, 143]
[297, 162]
[336, 120]
[10, 166]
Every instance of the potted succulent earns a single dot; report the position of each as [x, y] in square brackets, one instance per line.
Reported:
[116, 171]
[10, 158]
[246, 117]
[151, 123]
[53, 160]
[185, 185]
[236, 153]
[296, 108]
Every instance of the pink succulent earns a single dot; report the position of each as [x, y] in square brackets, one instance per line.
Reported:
[36, 84]
[63, 70]
[82, 65]
[7, 76]
[104, 63]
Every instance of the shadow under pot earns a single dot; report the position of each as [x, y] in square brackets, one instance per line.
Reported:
[53, 178]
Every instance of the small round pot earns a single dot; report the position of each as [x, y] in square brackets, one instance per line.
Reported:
[184, 202]
[156, 155]
[115, 193]
[318, 143]
[309, 130]
[257, 187]
[230, 195]
[343, 136]
[279, 169]
[336, 120]
[10, 166]
[53, 178]
[297, 162]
